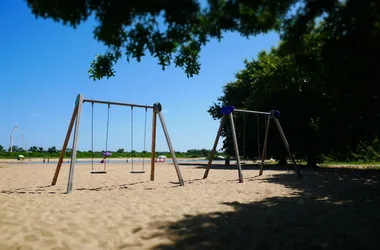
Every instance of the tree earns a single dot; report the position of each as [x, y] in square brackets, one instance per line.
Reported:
[40, 149]
[326, 90]
[20, 149]
[133, 28]
[329, 51]
[120, 151]
[341, 54]
[14, 148]
[273, 81]
[2, 149]
[52, 149]
[33, 149]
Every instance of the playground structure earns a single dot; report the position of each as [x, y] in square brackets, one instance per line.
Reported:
[75, 119]
[11, 138]
[272, 115]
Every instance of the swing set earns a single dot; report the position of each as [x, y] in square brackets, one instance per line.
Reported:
[272, 115]
[106, 153]
[75, 119]
[244, 155]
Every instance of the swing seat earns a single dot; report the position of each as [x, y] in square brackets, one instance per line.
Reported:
[98, 172]
[137, 172]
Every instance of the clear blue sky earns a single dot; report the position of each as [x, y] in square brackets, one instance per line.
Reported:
[44, 66]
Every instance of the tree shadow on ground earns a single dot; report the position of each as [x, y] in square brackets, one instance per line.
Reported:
[329, 210]
[243, 166]
[335, 184]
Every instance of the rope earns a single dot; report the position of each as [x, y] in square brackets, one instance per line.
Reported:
[108, 122]
[146, 112]
[132, 136]
[92, 137]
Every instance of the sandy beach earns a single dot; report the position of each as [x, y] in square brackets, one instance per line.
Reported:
[120, 210]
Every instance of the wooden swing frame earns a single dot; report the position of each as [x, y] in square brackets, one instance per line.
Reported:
[75, 119]
[272, 115]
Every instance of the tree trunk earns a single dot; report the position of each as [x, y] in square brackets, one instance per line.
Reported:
[282, 159]
[312, 161]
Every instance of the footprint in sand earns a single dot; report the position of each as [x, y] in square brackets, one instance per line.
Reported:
[47, 234]
[50, 242]
[151, 235]
[59, 248]
[19, 247]
[125, 246]
[31, 237]
[136, 230]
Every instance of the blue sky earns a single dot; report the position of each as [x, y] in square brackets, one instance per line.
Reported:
[44, 66]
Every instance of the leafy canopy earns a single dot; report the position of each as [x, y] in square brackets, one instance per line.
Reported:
[169, 30]
[324, 82]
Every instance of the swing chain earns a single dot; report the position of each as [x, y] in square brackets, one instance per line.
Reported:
[132, 136]
[92, 136]
[108, 122]
[146, 113]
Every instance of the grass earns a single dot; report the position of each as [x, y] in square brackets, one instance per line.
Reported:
[352, 165]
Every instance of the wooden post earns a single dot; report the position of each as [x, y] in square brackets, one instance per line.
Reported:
[152, 161]
[296, 169]
[75, 144]
[64, 147]
[264, 152]
[174, 158]
[214, 148]
[237, 155]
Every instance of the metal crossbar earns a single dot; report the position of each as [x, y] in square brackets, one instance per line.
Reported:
[251, 111]
[118, 103]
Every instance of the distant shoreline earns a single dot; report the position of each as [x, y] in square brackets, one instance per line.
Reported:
[39, 159]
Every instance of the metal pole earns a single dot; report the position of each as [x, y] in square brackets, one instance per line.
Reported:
[118, 103]
[265, 146]
[252, 112]
[296, 169]
[236, 147]
[75, 144]
[180, 179]
[214, 147]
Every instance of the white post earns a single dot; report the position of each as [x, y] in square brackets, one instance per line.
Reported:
[75, 144]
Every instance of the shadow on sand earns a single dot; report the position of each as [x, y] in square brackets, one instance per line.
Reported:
[244, 166]
[329, 209]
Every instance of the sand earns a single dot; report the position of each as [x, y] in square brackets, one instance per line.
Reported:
[120, 210]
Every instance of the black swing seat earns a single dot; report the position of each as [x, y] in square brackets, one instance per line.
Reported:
[137, 172]
[98, 172]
